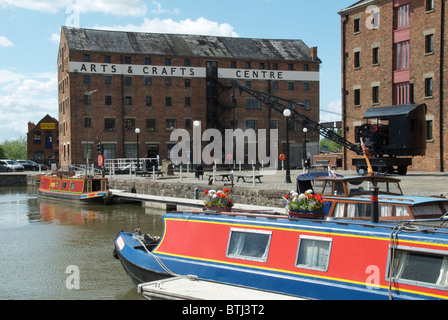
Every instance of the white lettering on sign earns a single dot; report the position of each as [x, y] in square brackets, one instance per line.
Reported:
[136, 70]
[191, 72]
[278, 75]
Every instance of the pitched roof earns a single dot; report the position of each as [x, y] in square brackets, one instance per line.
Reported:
[93, 40]
[356, 5]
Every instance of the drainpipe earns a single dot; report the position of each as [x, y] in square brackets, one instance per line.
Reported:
[344, 89]
[441, 84]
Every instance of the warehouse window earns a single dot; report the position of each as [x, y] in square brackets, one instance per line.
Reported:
[356, 25]
[109, 124]
[168, 102]
[428, 87]
[148, 101]
[357, 59]
[129, 124]
[357, 97]
[150, 125]
[375, 56]
[170, 124]
[429, 43]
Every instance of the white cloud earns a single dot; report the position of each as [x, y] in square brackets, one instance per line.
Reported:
[5, 42]
[55, 38]
[200, 26]
[331, 111]
[25, 97]
[115, 7]
[160, 10]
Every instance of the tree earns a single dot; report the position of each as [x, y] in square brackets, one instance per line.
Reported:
[14, 149]
[329, 144]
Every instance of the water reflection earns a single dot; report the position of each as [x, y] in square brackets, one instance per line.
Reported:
[41, 238]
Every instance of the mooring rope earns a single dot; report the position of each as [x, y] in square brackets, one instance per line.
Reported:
[404, 227]
[162, 265]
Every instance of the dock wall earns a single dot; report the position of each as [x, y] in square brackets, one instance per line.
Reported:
[16, 179]
[242, 194]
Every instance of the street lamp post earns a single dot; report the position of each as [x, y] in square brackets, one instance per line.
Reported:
[287, 114]
[137, 131]
[305, 164]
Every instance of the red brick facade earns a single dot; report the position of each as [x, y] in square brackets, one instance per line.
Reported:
[382, 61]
[104, 96]
[43, 141]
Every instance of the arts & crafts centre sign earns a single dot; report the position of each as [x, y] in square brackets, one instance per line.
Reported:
[190, 72]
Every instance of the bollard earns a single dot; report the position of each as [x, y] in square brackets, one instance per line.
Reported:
[196, 193]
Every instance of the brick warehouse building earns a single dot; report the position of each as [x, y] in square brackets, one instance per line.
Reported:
[112, 82]
[393, 52]
[43, 141]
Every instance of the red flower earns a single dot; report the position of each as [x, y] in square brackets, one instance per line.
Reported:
[222, 195]
[287, 196]
[206, 191]
[226, 190]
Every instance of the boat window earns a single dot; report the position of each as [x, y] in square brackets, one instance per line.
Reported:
[72, 186]
[423, 267]
[400, 211]
[333, 188]
[364, 186]
[359, 210]
[385, 210]
[433, 209]
[338, 210]
[314, 253]
[249, 244]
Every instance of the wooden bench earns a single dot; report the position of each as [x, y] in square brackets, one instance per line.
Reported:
[244, 176]
[222, 175]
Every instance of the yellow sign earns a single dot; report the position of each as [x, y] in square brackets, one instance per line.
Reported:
[48, 126]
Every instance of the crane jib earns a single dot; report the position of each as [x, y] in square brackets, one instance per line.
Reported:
[273, 103]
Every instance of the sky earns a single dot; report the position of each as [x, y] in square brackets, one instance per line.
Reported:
[30, 32]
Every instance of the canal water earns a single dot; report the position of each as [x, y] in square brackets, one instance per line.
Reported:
[61, 250]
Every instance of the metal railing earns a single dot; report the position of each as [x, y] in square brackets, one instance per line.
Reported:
[127, 165]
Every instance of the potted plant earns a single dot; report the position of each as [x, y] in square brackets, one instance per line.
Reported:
[220, 200]
[305, 205]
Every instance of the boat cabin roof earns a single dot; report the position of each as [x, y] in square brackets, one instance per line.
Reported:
[359, 185]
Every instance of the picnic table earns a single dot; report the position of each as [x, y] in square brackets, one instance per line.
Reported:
[148, 173]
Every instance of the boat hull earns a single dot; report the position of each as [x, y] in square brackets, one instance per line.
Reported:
[92, 198]
[198, 244]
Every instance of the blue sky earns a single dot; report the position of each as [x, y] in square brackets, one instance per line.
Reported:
[30, 29]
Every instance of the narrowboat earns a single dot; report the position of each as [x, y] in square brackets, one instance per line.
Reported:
[306, 258]
[351, 197]
[83, 189]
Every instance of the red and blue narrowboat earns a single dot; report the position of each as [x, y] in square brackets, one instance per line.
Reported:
[62, 186]
[306, 258]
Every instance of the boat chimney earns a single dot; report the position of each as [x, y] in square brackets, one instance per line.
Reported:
[374, 201]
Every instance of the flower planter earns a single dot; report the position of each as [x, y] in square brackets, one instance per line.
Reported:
[306, 214]
[219, 209]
